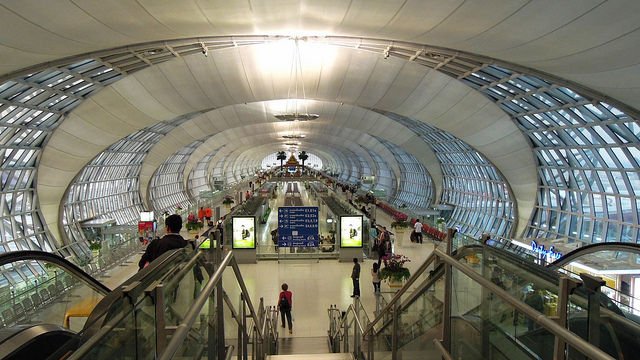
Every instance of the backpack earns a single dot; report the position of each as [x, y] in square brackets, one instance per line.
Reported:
[284, 303]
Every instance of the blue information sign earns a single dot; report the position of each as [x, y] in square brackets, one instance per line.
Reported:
[298, 226]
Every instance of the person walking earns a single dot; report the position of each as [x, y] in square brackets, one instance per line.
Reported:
[375, 277]
[382, 244]
[417, 228]
[285, 303]
[355, 276]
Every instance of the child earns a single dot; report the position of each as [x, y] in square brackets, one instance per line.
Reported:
[375, 278]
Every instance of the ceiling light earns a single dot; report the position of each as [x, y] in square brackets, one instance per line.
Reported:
[151, 52]
[294, 136]
[297, 117]
[296, 84]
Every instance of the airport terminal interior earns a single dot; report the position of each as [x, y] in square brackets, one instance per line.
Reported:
[430, 179]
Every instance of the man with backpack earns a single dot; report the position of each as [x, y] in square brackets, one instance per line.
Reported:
[284, 306]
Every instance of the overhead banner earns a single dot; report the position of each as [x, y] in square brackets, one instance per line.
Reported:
[298, 226]
[351, 231]
[243, 230]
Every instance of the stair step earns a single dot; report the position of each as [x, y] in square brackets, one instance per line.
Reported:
[328, 356]
[303, 345]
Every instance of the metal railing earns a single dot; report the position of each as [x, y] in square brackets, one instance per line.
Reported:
[261, 334]
[92, 263]
[341, 325]
[186, 323]
[387, 324]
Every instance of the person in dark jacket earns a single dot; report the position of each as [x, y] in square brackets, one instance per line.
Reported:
[536, 301]
[355, 276]
[172, 240]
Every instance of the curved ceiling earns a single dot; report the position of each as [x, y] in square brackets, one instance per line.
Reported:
[591, 42]
[344, 82]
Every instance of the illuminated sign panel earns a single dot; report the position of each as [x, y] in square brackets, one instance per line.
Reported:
[351, 231]
[243, 230]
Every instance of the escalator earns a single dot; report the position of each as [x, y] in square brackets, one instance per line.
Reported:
[37, 319]
[483, 325]
[69, 307]
[619, 247]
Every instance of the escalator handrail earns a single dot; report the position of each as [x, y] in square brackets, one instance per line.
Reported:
[26, 334]
[569, 337]
[398, 296]
[340, 327]
[593, 248]
[445, 354]
[103, 319]
[27, 255]
[146, 275]
[437, 271]
[550, 274]
[182, 330]
[608, 306]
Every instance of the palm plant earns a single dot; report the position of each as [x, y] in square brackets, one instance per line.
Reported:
[282, 157]
[303, 157]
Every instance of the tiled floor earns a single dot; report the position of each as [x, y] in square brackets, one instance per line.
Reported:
[318, 284]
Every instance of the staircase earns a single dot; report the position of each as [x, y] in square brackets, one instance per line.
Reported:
[328, 356]
[306, 348]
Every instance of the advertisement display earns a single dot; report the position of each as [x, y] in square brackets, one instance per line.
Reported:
[351, 231]
[243, 232]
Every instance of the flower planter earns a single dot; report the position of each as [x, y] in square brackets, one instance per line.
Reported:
[395, 284]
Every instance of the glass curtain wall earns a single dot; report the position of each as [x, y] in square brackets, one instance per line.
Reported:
[109, 188]
[415, 190]
[482, 198]
[217, 173]
[167, 185]
[385, 178]
[366, 171]
[31, 108]
[587, 153]
[199, 178]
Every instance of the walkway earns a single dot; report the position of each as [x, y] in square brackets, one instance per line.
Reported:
[318, 284]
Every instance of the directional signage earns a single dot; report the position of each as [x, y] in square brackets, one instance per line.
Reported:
[298, 226]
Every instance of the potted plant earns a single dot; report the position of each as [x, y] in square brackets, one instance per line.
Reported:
[95, 245]
[228, 200]
[440, 223]
[194, 226]
[400, 224]
[394, 271]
